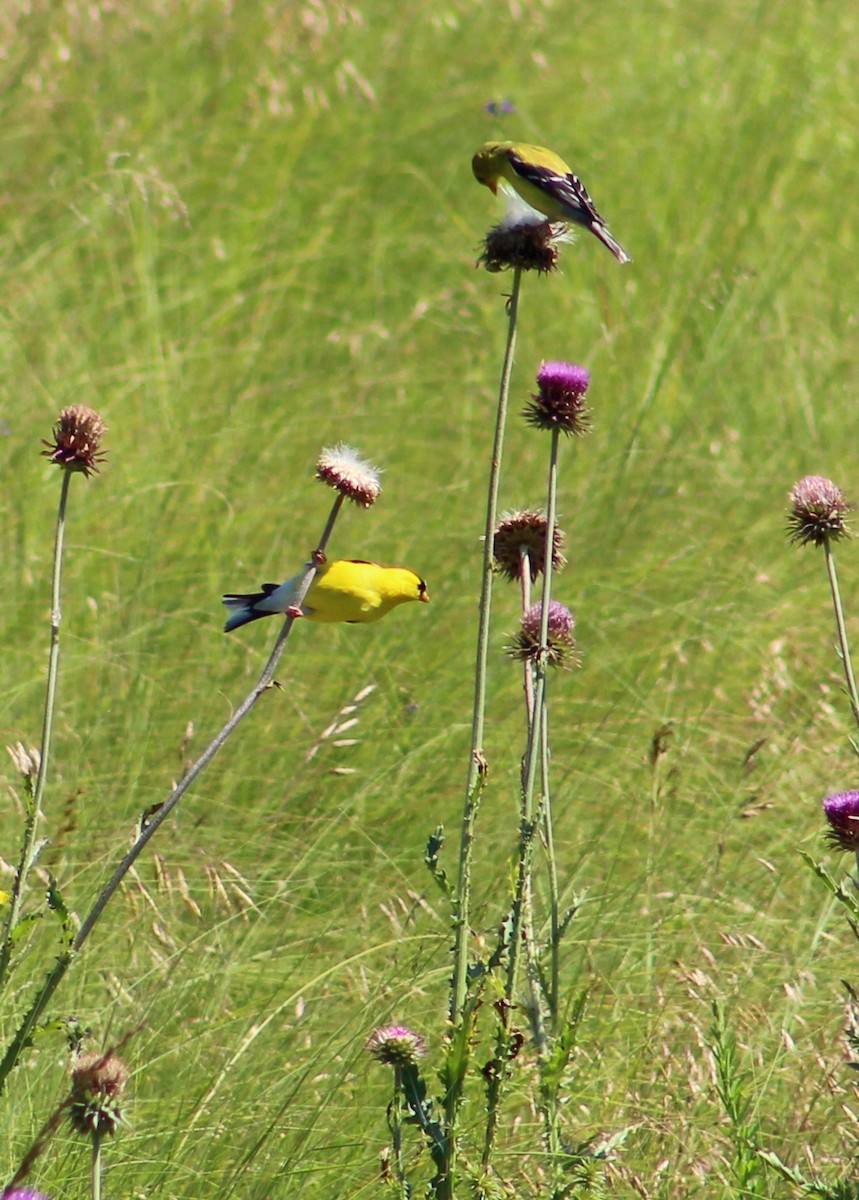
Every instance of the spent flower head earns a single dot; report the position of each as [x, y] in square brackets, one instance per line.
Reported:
[818, 511]
[528, 245]
[559, 402]
[842, 812]
[525, 531]
[76, 440]
[561, 648]
[343, 469]
[98, 1081]
[396, 1045]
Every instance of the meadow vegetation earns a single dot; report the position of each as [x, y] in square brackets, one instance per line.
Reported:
[245, 231]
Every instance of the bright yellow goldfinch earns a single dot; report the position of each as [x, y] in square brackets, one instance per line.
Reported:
[546, 183]
[343, 590]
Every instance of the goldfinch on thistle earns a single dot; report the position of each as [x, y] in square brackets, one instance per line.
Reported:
[544, 182]
[343, 590]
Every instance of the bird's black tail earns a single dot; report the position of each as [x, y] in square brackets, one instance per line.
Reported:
[242, 608]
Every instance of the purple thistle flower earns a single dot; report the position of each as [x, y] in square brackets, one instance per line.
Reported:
[842, 812]
[560, 400]
[396, 1045]
[561, 647]
[818, 511]
[23, 1194]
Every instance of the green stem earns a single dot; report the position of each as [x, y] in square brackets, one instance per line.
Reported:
[520, 915]
[64, 961]
[842, 631]
[548, 569]
[396, 1126]
[35, 802]
[525, 593]
[477, 764]
[552, 868]
[95, 1174]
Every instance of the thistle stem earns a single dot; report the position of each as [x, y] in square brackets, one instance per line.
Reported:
[521, 910]
[552, 868]
[477, 764]
[841, 626]
[548, 567]
[34, 802]
[396, 1126]
[95, 1174]
[525, 592]
[63, 962]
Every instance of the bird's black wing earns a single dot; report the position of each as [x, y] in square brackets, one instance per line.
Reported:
[568, 188]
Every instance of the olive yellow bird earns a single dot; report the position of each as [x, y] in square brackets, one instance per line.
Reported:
[343, 590]
[546, 183]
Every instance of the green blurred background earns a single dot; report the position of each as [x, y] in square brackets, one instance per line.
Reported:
[243, 231]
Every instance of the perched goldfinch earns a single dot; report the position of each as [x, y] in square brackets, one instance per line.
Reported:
[546, 183]
[343, 590]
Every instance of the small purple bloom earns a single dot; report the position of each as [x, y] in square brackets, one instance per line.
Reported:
[560, 401]
[396, 1045]
[560, 650]
[818, 512]
[23, 1194]
[842, 813]
[563, 377]
[560, 620]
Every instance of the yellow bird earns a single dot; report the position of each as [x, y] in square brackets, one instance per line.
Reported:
[546, 183]
[344, 590]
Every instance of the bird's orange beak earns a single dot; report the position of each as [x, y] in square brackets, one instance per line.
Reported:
[423, 597]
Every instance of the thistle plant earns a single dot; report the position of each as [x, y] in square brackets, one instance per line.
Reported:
[75, 448]
[520, 242]
[340, 468]
[402, 1049]
[96, 1104]
[818, 517]
[543, 641]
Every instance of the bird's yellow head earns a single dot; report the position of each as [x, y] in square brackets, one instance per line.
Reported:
[418, 588]
[398, 585]
[486, 163]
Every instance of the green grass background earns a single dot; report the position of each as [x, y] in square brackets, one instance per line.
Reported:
[243, 231]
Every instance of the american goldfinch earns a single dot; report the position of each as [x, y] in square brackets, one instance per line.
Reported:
[546, 183]
[343, 590]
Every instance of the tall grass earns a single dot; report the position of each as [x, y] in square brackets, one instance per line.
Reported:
[240, 233]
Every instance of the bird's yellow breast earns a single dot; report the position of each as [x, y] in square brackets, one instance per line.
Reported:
[346, 590]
